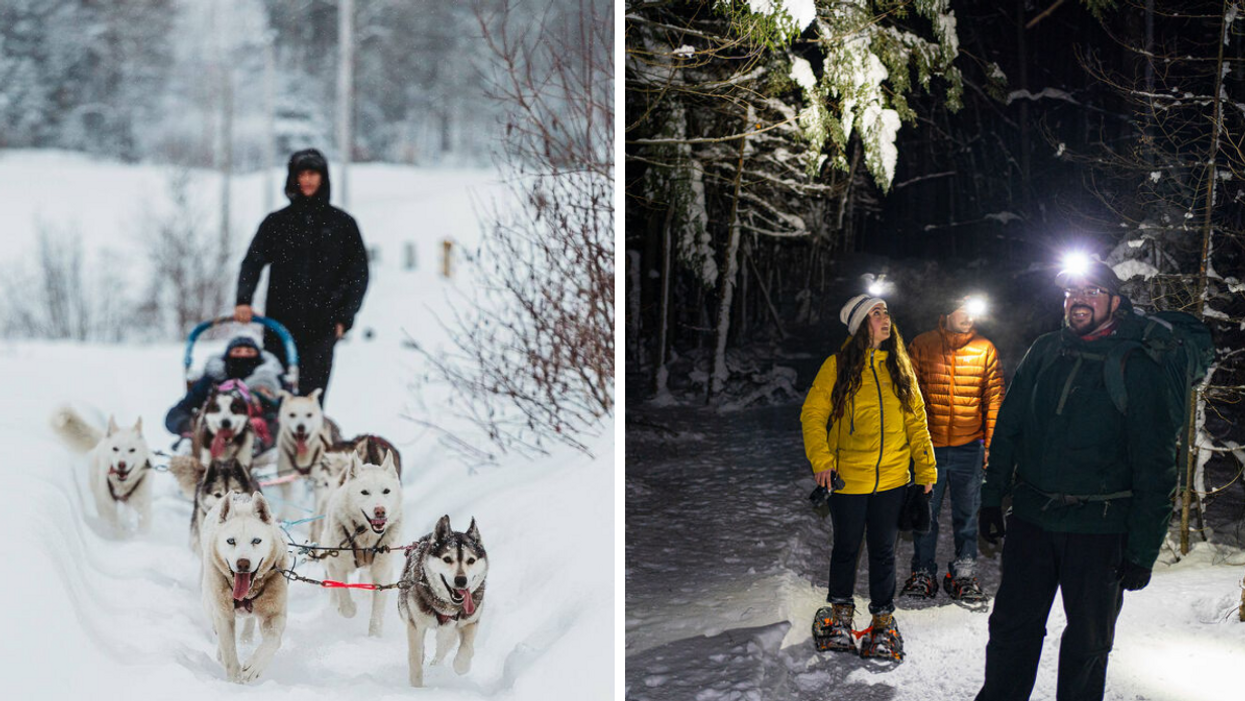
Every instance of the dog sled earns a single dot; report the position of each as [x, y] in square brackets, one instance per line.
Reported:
[263, 454]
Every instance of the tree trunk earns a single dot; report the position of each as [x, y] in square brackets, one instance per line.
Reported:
[345, 94]
[720, 372]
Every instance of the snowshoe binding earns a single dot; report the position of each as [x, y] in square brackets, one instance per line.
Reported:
[882, 639]
[832, 628]
[964, 589]
[921, 585]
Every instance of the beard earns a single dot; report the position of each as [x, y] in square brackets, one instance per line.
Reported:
[1090, 322]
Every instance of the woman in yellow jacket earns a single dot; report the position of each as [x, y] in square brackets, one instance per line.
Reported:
[864, 419]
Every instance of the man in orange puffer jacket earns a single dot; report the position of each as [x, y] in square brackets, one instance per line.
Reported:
[962, 385]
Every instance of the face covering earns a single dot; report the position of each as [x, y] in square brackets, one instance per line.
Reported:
[241, 368]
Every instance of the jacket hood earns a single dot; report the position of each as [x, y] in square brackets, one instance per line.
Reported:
[307, 159]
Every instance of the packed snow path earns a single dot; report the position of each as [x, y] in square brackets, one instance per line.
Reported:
[727, 563]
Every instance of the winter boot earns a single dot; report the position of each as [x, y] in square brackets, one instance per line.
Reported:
[882, 639]
[921, 585]
[832, 629]
[963, 588]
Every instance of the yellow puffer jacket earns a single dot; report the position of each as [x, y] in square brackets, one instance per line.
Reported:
[872, 442]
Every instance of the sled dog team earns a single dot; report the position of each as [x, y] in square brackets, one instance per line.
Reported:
[235, 531]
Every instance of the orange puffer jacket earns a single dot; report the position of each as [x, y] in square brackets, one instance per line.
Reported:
[961, 383]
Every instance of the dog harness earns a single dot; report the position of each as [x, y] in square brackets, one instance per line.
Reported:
[122, 498]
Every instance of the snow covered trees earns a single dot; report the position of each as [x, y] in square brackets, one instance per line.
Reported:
[752, 122]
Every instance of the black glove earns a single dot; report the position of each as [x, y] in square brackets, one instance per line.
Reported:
[990, 524]
[1132, 577]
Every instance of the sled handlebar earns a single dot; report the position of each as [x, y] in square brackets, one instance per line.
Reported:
[291, 352]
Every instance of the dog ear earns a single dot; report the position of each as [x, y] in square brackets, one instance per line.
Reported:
[261, 507]
[138, 426]
[388, 464]
[316, 393]
[112, 424]
[283, 395]
[352, 470]
[473, 532]
[443, 531]
[224, 506]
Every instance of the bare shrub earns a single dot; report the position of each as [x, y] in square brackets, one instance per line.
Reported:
[60, 296]
[534, 356]
[189, 281]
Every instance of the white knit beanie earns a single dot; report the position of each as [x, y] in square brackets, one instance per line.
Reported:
[856, 309]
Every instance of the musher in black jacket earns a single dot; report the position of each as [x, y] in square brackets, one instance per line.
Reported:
[319, 271]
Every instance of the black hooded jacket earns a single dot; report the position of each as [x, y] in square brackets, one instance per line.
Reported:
[319, 265]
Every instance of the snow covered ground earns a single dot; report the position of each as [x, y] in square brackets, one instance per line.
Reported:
[726, 564]
[89, 615]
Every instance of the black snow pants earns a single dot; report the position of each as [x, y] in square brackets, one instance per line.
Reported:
[855, 516]
[315, 361]
[1036, 562]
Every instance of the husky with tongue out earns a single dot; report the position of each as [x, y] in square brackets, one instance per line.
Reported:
[120, 465]
[222, 429]
[364, 513]
[243, 553]
[443, 590]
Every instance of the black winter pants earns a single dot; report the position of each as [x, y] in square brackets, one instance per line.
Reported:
[856, 516]
[315, 361]
[1036, 562]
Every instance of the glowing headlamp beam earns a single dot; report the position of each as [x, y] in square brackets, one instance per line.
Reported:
[1076, 263]
[975, 306]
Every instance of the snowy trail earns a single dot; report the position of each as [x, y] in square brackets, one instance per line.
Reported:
[726, 564]
[91, 615]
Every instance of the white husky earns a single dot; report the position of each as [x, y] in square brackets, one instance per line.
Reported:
[365, 512]
[243, 553]
[119, 464]
[443, 590]
[304, 433]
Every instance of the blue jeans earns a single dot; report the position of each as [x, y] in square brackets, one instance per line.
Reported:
[960, 468]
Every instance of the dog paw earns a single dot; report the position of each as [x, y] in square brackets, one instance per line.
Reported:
[233, 674]
[249, 674]
[417, 680]
[347, 608]
[462, 664]
[375, 630]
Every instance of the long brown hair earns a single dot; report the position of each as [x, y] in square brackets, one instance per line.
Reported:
[850, 362]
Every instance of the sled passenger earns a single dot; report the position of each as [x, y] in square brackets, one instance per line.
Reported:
[243, 360]
[318, 273]
[864, 420]
[1091, 487]
[963, 388]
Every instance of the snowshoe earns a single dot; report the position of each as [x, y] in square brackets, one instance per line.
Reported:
[832, 628]
[963, 589]
[921, 585]
[882, 639]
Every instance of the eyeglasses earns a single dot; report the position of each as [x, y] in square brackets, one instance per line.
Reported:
[1088, 292]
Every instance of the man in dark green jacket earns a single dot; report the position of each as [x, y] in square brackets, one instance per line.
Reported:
[1091, 492]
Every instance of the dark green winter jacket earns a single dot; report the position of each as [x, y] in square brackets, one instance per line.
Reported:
[1058, 432]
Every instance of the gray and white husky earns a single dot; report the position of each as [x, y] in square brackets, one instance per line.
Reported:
[364, 512]
[443, 590]
[243, 556]
[222, 429]
[219, 479]
[119, 465]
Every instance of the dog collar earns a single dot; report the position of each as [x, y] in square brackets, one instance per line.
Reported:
[238, 386]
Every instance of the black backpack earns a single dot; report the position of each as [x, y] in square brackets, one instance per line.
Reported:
[1181, 345]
